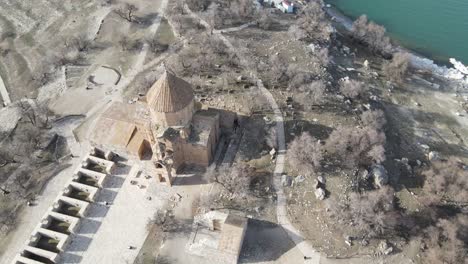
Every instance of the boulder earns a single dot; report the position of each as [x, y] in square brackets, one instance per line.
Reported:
[286, 180]
[299, 179]
[320, 193]
[433, 156]
[321, 179]
[364, 174]
[385, 248]
[380, 175]
[366, 63]
[273, 152]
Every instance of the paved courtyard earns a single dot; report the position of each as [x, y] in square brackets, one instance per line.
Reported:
[108, 231]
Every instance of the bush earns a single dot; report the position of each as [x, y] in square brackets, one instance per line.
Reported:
[311, 94]
[356, 146]
[235, 180]
[352, 88]
[371, 34]
[374, 119]
[397, 68]
[447, 241]
[305, 154]
[446, 181]
[265, 21]
[369, 214]
[312, 24]
[198, 5]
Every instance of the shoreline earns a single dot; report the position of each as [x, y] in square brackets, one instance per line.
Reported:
[417, 60]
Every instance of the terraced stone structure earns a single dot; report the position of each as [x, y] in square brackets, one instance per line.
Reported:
[52, 235]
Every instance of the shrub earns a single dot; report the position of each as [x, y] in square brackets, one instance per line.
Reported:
[357, 146]
[371, 34]
[397, 68]
[352, 88]
[305, 154]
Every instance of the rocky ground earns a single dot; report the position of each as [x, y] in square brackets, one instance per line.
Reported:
[424, 114]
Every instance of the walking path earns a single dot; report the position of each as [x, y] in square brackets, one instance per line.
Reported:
[311, 255]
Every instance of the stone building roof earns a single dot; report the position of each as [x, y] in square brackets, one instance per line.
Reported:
[169, 94]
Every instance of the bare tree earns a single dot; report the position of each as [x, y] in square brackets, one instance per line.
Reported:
[352, 88]
[305, 154]
[279, 69]
[371, 34]
[312, 23]
[374, 119]
[198, 5]
[127, 12]
[357, 146]
[311, 94]
[156, 46]
[369, 214]
[243, 8]
[81, 43]
[446, 181]
[298, 78]
[265, 21]
[397, 68]
[446, 241]
[235, 180]
[133, 45]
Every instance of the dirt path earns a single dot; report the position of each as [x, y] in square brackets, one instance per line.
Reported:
[282, 216]
[31, 217]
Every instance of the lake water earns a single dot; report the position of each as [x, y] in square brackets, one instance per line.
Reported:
[434, 28]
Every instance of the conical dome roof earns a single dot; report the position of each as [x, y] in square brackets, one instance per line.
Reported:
[169, 94]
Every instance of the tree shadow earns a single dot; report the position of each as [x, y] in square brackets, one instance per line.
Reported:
[295, 128]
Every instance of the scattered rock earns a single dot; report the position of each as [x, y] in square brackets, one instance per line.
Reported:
[433, 156]
[320, 193]
[346, 49]
[364, 242]
[286, 180]
[273, 152]
[321, 179]
[364, 175]
[241, 78]
[380, 175]
[385, 248]
[299, 179]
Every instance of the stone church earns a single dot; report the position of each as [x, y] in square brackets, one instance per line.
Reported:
[167, 127]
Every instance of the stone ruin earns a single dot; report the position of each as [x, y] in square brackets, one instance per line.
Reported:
[53, 234]
[217, 236]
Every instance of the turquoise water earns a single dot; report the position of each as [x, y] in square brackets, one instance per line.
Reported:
[434, 28]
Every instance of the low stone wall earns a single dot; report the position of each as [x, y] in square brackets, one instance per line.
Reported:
[49, 239]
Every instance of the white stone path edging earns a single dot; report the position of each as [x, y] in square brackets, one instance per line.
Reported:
[310, 254]
[4, 93]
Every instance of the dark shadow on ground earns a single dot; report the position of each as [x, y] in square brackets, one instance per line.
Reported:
[190, 174]
[264, 241]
